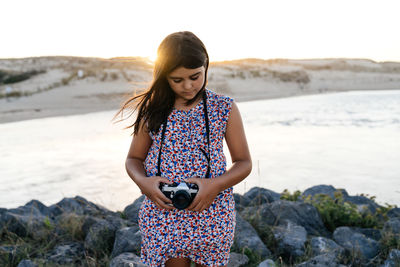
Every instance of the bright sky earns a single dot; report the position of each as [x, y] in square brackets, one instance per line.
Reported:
[230, 29]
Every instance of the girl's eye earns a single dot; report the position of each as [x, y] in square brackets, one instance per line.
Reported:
[193, 79]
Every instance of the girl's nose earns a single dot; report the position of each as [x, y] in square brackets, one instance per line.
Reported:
[187, 85]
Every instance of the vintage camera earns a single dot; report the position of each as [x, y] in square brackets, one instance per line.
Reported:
[181, 194]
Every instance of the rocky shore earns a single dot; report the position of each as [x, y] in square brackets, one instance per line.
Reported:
[322, 226]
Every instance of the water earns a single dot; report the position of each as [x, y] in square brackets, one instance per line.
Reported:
[349, 140]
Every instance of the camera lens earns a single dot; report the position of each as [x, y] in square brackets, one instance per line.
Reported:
[181, 200]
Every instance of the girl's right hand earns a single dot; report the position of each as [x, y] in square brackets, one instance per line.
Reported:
[150, 187]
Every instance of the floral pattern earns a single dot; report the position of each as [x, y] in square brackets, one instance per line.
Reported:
[204, 237]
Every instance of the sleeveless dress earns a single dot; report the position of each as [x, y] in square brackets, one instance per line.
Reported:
[204, 237]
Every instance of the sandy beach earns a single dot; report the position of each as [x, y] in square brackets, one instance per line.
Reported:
[75, 85]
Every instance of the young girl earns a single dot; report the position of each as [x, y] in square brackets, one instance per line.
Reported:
[178, 136]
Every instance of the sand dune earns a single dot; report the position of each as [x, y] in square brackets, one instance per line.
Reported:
[53, 86]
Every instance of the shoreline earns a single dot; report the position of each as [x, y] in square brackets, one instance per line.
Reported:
[39, 106]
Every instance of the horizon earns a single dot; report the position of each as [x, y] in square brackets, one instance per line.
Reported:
[286, 29]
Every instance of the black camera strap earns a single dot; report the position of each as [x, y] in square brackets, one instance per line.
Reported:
[164, 127]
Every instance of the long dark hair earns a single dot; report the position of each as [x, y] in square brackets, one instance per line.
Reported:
[179, 49]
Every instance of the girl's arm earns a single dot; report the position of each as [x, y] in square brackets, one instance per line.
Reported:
[241, 164]
[149, 186]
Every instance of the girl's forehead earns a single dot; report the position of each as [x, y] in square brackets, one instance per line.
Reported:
[181, 72]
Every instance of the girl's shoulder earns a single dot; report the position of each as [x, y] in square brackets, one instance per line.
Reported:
[219, 99]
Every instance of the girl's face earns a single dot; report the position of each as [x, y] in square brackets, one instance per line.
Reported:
[186, 83]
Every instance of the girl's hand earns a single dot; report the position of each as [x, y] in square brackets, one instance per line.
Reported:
[150, 187]
[208, 191]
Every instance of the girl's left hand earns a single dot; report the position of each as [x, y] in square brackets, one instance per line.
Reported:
[208, 191]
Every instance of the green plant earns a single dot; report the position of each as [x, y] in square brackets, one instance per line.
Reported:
[286, 195]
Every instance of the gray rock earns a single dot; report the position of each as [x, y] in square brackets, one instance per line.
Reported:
[369, 232]
[364, 204]
[323, 189]
[126, 259]
[247, 237]
[100, 237]
[127, 239]
[258, 196]
[323, 260]
[27, 263]
[291, 239]
[393, 259]
[80, 206]
[69, 253]
[267, 263]
[321, 245]
[392, 226]
[33, 208]
[237, 259]
[132, 211]
[300, 213]
[10, 254]
[356, 243]
[25, 225]
[394, 213]
[240, 201]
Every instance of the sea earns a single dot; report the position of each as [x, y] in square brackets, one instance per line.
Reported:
[349, 140]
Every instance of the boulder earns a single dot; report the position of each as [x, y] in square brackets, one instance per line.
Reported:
[322, 245]
[240, 201]
[24, 224]
[323, 189]
[127, 239]
[323, 260]
[237, 259]
[300, 213]
[291, 239]
[392, 226]
[258, 196]
[247, 237]
[132, 211]
[100, 237]
[80, 206]
[356, 243]
[10, 254]
[394, 213]
[393, 259]
[126, 259]
[369, 232]
[267, 263]
[27, 263]
[68, 253]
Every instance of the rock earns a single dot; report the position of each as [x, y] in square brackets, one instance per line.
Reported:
[258, 196]
[322, 245]
[100, 237]
[69, 253]
[300, 213]
[393, 259]
[240, 201]
[27, 263]
[25, 225]
[394, 213]
[126, 259]
[132, 211]
[369, 232]
[356, 243]
[10, 254]
[323, 260]
[323, 189]
[262, 219]
[236, 260]
[80, 206]
[267, 263]
[246, 237]
[127, 239]
[392, 226]
[291, 239]
[363, 203]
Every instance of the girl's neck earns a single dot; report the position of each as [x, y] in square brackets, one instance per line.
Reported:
[180, 104]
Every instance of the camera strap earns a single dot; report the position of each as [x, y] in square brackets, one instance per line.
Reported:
[164, 127]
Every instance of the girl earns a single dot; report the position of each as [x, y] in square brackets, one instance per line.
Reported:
[178, 136]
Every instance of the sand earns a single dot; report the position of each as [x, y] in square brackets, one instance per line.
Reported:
[72, 85]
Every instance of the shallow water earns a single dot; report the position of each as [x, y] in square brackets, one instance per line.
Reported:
[349, 140]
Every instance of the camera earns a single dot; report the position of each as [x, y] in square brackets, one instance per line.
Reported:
[181, 194]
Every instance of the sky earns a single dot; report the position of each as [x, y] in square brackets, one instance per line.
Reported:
[229, 29]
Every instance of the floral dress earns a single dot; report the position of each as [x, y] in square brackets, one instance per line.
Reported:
[204, 237]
